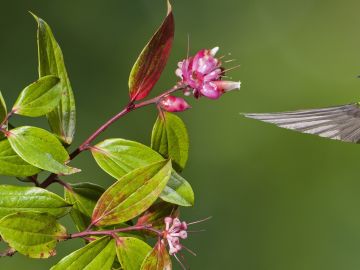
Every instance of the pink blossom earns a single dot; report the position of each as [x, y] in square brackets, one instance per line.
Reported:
[174, 231]
[202, 74]
[173, 104]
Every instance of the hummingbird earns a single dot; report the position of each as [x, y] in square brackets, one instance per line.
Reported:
[337, 123]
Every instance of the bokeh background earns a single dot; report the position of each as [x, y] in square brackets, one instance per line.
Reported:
[279, 200]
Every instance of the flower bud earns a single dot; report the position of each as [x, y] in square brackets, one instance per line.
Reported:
[176, 222]
[173, 104]
[183, 234]
[173, 250]
[168, 221]
[184, 226]
[178, 247]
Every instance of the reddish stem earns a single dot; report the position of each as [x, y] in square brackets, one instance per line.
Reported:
[112, 232]
[3, 128]
[130, 107]
[7, 117]
[33, 179]
[53, 178]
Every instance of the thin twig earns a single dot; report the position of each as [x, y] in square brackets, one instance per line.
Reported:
[7, 117]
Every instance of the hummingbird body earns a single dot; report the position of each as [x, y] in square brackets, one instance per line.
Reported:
[337, 123]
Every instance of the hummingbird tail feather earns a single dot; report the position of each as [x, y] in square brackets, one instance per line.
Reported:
[338, 123]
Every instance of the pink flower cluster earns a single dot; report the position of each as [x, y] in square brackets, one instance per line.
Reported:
[202, 74]
[174, 231]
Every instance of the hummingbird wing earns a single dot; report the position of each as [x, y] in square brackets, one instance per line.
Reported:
[337, 123]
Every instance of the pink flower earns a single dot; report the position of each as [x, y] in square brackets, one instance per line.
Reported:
[173, 104]
[174, 231]
[203, 75]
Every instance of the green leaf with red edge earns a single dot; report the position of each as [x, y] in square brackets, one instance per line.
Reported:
[83, 197]
[131, 252]
[157, 259]
[118, 157]
[98, 255]
[156, 214]
[41, 149]
[170, 138]
[33, 234]
[62, 119]
[152, 60]
[39, 98]
[132, 194]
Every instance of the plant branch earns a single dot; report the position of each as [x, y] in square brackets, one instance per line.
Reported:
[33, 179]
[53, 178]
[86, 144]
[112, 232]
[130, 107]
[6, 119]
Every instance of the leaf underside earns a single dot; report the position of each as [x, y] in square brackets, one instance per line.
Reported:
[62, 119]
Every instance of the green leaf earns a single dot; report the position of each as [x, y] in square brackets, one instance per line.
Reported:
[118, 157]
[62, 119]
[178, 191]
[18, 199]
[132, 194]
[152, 60]
[170, 138]
[31, 233]
[39, 98]
[83, 197]
[98, 255]
[3, 109]
[41, 149]
[131, 252]
[13, 165]
[157, 259]
[3, 113]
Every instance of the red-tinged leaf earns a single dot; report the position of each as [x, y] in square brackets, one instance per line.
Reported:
[152, 60]
[157, 259]
[156, 214]
[132, 194]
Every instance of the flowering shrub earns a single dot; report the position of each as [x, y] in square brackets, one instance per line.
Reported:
[144, 201]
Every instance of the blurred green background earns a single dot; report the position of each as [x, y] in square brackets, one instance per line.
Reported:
[279, 200]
